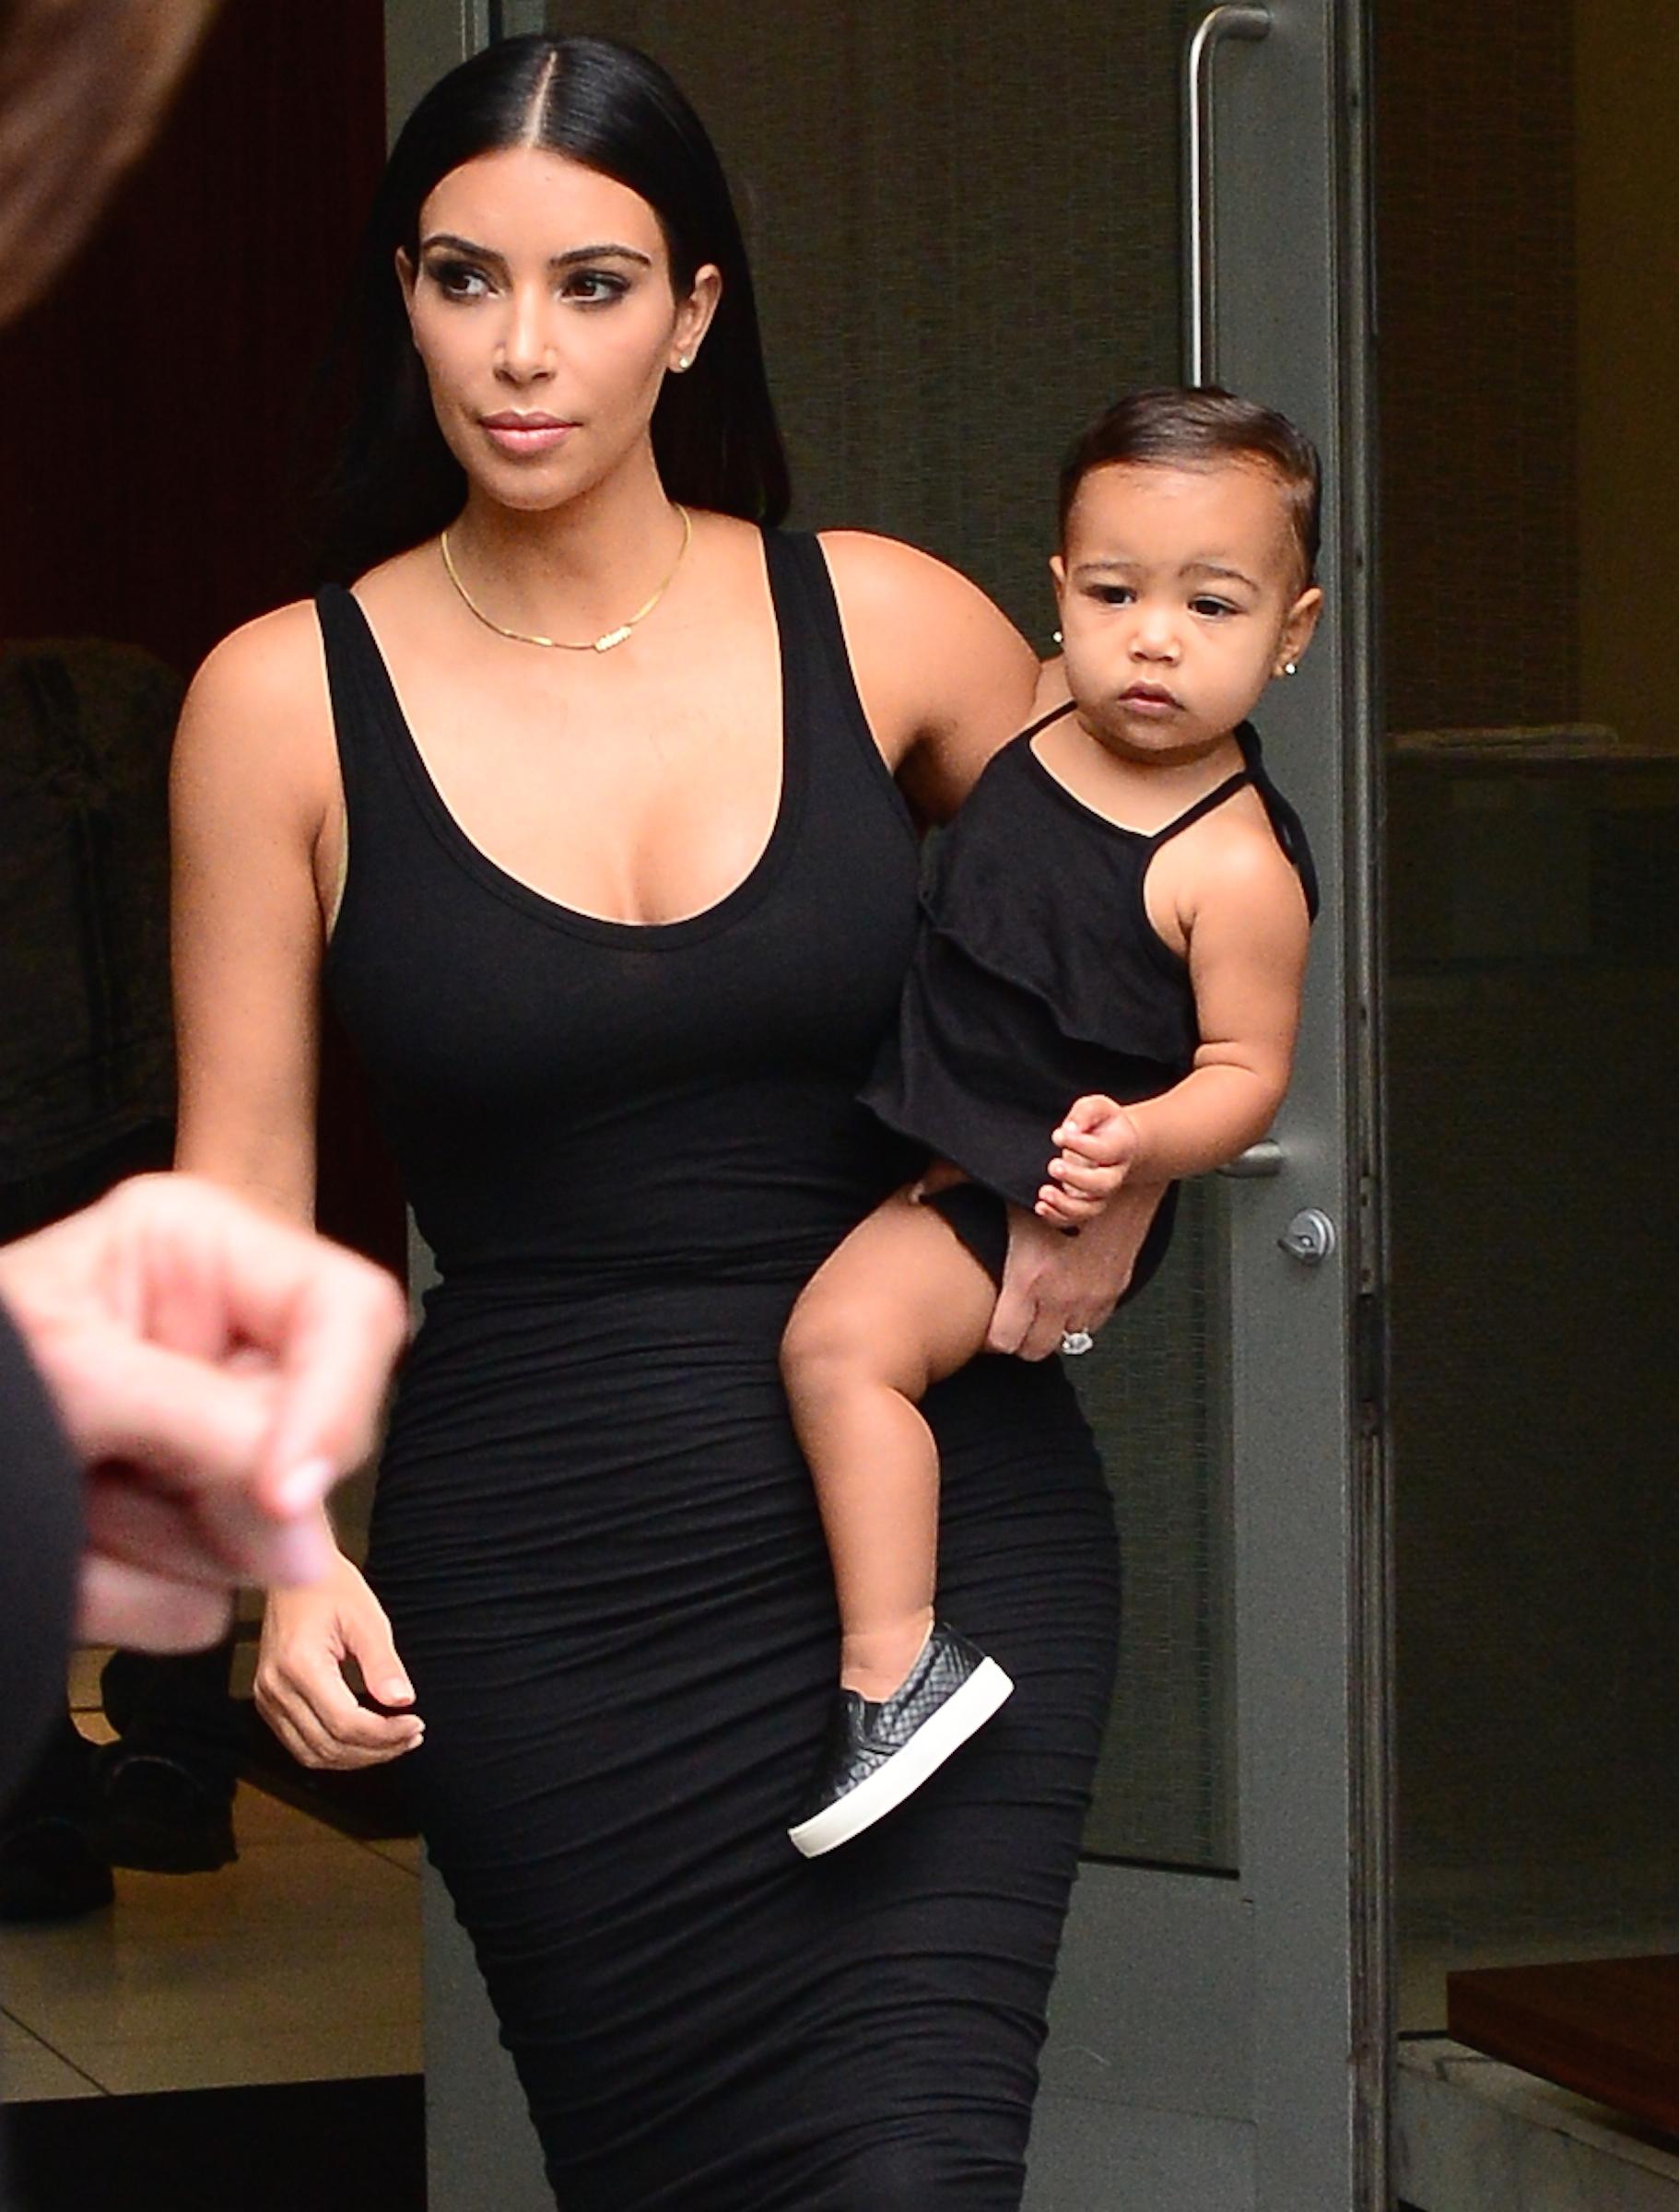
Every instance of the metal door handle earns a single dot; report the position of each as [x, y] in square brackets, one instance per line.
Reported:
[1201, 276]
[1264, 1158]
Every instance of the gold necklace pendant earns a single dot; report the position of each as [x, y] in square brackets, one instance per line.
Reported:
[608, 638]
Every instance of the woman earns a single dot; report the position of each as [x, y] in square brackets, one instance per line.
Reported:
[602, 800]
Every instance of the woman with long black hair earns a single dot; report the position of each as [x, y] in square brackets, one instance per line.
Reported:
[596, 800]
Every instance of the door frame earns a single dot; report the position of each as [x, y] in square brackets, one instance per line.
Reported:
[1313, 1563]
[1269, 1992]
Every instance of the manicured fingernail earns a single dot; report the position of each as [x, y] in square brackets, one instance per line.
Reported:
[304, 1485]
[301, 1554]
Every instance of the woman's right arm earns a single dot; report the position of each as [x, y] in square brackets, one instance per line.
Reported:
[252, 794]
[256, 817]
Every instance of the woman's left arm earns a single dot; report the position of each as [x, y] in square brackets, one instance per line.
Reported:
[944, 674]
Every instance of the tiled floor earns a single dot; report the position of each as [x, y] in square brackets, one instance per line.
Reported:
[301, 1962]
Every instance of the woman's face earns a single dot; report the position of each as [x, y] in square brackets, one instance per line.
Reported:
[542, 308]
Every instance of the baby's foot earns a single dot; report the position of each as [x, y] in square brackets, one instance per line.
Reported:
[877, 1661]
[878, 1753]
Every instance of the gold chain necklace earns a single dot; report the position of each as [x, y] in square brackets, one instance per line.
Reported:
[608, 638]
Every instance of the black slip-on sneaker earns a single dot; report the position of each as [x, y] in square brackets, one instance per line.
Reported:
[877, 1754]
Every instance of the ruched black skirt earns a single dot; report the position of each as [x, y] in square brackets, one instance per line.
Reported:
[607, 1579]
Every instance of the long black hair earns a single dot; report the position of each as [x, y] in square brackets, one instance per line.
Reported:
[714, 432]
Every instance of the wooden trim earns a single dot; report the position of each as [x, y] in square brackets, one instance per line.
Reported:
[1607, 2027]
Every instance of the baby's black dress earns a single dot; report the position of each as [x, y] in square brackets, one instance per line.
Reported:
[1038, 978]
[629, 1148]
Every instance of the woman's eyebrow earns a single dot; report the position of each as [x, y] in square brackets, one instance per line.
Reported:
[603, 250]
[606, 250]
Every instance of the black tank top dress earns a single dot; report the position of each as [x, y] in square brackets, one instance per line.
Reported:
[628, 1148]
[1037, 978]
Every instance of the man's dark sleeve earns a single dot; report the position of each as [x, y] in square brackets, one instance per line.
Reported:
[41, 1542]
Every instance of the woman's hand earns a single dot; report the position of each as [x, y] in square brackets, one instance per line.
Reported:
[1055, 1284]
[1099, 1143]
[300, 1688]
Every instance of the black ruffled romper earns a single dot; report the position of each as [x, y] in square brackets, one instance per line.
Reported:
[1038, 977]
[629, 1147]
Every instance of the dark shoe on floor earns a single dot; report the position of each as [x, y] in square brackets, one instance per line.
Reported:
[52, 1869]
[157, 1815]
[877, 1754]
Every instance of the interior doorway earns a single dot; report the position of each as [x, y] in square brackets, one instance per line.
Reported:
[1529, 348]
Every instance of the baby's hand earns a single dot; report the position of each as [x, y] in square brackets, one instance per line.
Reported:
[1099, 1142]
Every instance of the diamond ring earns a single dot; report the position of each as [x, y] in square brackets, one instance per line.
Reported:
[1077, 1342]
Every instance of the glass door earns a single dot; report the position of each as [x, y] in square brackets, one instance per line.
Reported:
[1220, 2028]
[972, 226]
[1530, 525]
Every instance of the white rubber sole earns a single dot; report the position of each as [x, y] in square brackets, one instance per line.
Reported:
[964, 1712]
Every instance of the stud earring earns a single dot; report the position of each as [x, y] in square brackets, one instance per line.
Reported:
[1056, 637]
[1291, 668]
[686, 361]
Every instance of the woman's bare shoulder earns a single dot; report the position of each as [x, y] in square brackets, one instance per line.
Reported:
[944, 674]
[259, 705]
[881, 578]
[274, 662]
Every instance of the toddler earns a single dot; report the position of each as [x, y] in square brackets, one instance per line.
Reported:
[1119, 917]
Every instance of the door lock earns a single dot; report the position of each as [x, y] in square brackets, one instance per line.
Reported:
[1309, 1236]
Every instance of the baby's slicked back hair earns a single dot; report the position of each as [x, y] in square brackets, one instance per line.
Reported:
[1203, 426]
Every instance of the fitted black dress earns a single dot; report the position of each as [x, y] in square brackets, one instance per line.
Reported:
[628, 1148]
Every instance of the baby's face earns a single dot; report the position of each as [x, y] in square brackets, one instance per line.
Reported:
[1180, 601]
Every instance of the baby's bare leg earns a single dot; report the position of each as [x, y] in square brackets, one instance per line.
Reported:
[899, 1305]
